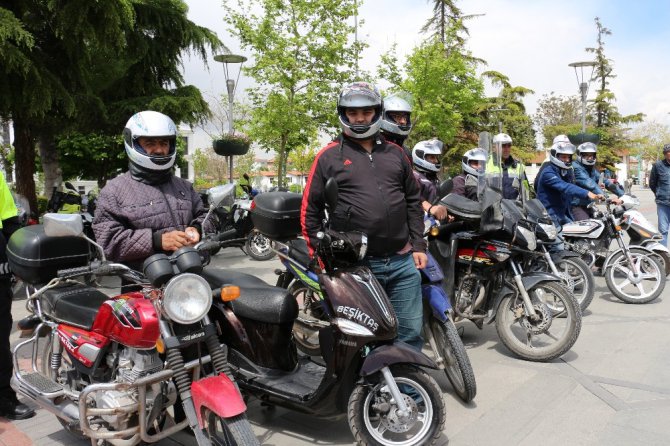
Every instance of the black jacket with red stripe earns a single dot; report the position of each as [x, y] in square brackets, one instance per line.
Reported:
[377, 195]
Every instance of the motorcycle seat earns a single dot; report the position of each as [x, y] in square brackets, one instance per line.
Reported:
[76, 304]
[298, 251]
[258, 301]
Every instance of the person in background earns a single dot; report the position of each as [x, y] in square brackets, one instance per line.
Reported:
[10, 407]
[378, 196]
[659, 183]
[426, 159]
[587, 177]
[396, 121]
[473, 165]
[513, 172]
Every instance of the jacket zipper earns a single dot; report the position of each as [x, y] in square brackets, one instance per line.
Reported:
[381, 195]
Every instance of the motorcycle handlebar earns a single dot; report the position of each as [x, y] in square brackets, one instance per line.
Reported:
[72, 272]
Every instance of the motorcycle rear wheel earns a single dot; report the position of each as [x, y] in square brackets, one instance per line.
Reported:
[259, 247]
[618, 281]
[457, 365]
[372, 412]
[548, 338]
[229, 431]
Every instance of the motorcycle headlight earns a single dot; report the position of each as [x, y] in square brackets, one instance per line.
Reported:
[526, 237]
[549, 231]
[187, 298]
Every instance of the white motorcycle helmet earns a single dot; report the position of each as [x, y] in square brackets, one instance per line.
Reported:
[502, 138]
[561, 138]
[584, 148]
[360, 95]
[423, 148]
[561, 148]
[475, 154]
[155, 125]
[396, 104]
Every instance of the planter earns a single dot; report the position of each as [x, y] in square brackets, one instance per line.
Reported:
[579, 138]
[229, 147]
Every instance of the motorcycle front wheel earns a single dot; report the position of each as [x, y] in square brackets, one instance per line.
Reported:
[576, 277]
[259, 247]
[553, 333]
[306, 337]
[455, 359]
[635, 290]
[373, 413]
[228, 431]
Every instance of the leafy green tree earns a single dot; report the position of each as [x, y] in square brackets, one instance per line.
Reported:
[302, 55]
[446, 18]
[301, 159]
[647, 140]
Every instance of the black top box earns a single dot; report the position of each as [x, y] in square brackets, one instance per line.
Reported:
[36, 258]
[277, 214]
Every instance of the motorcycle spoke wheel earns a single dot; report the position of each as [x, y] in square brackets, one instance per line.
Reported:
[455, 359]
[374, 416]
[622, 282]
[552, 334]
[228, 431]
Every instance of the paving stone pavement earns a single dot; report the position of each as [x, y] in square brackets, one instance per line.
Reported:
[611, 388]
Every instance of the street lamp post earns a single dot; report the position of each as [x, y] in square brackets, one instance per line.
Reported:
[226, 60]
[583, 85]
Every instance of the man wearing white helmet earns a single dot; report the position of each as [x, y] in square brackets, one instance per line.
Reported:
[377, 195]
[555, 188]
[426, 159]
[587, 177]
[148, 209]
[473, 165]
[513, 174]
[396, 121]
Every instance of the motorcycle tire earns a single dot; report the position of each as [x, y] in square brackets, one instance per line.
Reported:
[616, 277]
[576, 277]
[457, 365]
[554, 334]
[234, 430]
[372, 425]
[259, 247]
[664, 259]
[306, 338]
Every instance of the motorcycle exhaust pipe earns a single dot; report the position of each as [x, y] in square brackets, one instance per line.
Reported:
[65, 410]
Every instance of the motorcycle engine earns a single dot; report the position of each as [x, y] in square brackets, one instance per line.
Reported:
[132, 364]
[469, 294]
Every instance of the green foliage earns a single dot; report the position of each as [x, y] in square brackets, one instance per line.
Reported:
[42, 202]
[647, 140]
[92, 155]
[302, 56]
[296, 188]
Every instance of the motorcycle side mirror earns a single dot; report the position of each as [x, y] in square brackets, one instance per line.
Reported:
[445, 188]
[331, 194]
[69, 185]
[246, 177]
[63, 225]
[221, 195]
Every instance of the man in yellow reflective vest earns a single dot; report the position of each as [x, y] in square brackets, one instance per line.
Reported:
[9, 222]
[512, 171]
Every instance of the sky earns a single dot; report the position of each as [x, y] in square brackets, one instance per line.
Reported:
[530, 41]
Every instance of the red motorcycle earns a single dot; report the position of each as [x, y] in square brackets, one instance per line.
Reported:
[128, 368]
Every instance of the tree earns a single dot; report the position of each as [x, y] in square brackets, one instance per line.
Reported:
[302, 159]
[648, 139]
[446, 18]
[210, 169]
[302, 56]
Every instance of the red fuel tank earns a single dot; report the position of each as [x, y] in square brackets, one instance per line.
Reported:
[128, 319]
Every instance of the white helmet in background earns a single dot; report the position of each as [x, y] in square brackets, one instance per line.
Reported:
[423, 148]
[150, 124]
[475, 154]
[561, 138]
[584, 148]
[502, 138]
[359, 95]
[561, 148]
[396, 104]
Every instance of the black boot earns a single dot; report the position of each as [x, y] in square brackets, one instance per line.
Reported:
[11, 408]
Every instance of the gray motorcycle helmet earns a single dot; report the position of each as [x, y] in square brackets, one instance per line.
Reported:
[360, 95]
[584, 148]
[392, 104]
[561, 148]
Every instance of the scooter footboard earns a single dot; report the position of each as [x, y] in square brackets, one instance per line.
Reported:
[396, 353]
[218, 394]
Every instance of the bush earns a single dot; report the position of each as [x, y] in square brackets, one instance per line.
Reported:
[295, 188]
[42, 204]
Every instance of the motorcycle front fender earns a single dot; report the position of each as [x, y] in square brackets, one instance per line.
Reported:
[218, 394]
[397, 353]
[438, 301]
[645, 249]
[529, 281]
[655, 246]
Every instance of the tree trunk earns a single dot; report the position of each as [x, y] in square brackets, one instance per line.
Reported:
[24, 146]
[6, 150]
[281, 166]
[53, 175]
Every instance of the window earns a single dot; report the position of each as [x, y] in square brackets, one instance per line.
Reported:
[82, 190]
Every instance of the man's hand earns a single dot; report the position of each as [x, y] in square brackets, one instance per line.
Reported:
[595, 197]
[420, 259]
[616, 201]
[439, 212]
[173, 240]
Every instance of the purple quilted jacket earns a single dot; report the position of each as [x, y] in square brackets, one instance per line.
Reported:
[128, 213]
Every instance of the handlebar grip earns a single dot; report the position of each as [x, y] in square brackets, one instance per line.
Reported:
[71, 272]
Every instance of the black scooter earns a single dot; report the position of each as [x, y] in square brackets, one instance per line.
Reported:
[367, 375]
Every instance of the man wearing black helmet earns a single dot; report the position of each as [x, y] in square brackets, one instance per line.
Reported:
[148, 209]
[379, 196]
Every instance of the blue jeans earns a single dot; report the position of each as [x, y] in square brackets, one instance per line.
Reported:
[663, 221]
[402, 281]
